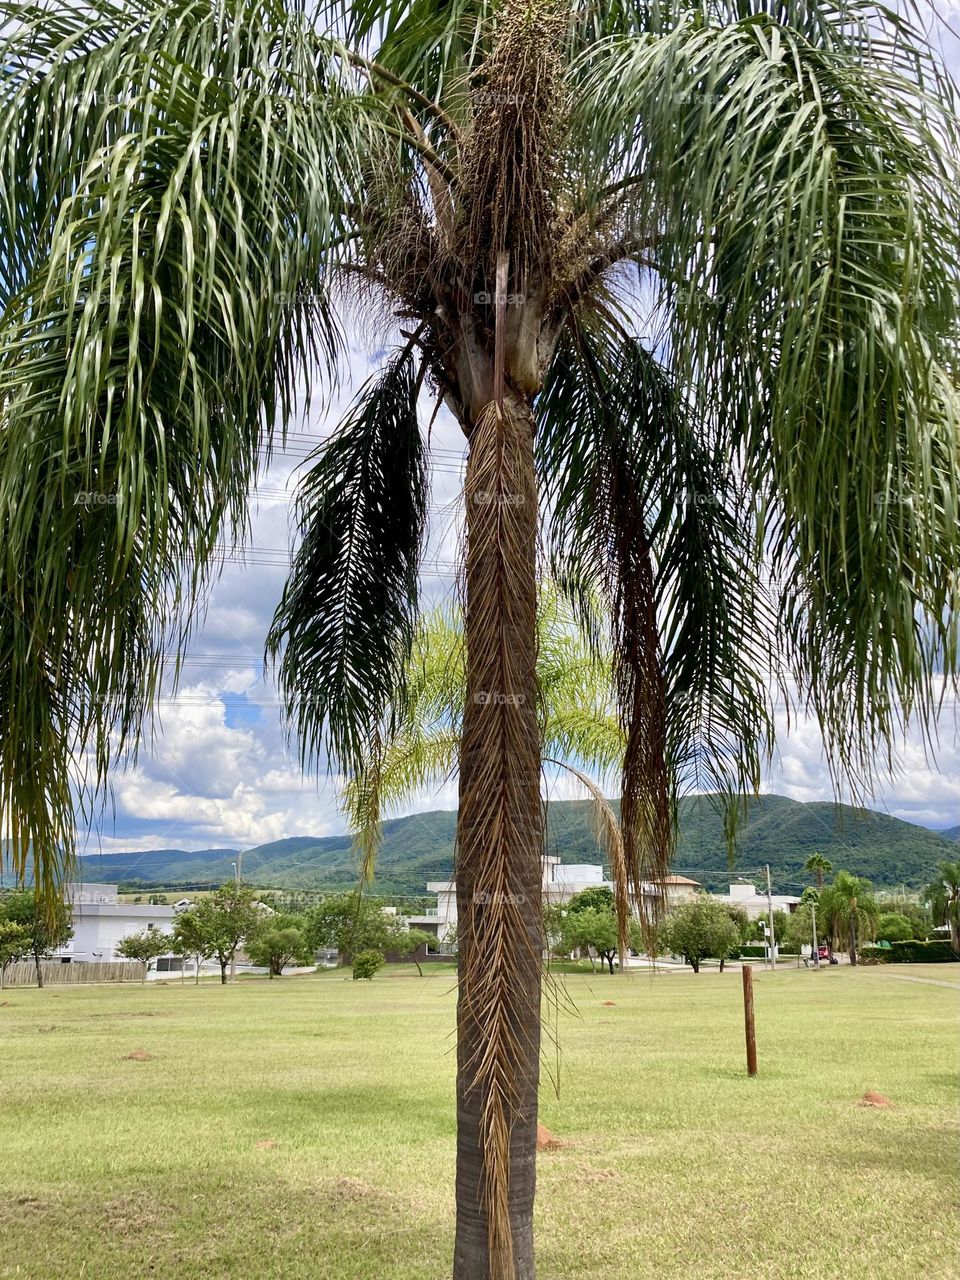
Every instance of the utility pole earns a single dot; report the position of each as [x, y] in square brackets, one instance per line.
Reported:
[771, 940]
[236, 871]
[816, 946]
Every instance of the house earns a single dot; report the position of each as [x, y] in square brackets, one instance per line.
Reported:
[744, 894]
[100, 920]
[677, 889]
[561, 880]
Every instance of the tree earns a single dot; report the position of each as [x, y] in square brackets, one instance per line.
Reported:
[893, 927]
[798, 930]
[696, 930]
[505, 179]
[594, 928]
[407, 942]
[191, 937]
[943, 895]
[367, 963]
[819, 867]
[145, 946]
[349, 923]
[277, 941]
[219, 923]
[14, 944]
[45, 921]
[849, 912]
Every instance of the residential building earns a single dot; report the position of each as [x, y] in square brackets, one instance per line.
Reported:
[100, 920]
[561, 880]
[743, 893]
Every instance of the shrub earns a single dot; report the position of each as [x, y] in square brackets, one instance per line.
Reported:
[914, 952]
[367, 963]
[893, 927]
[751, 951]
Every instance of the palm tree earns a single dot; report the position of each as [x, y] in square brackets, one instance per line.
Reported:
[943, 896]
[685, 274]
[819, 867]
[849, 912]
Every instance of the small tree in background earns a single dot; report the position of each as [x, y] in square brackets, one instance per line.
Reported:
[350, 923]
[407, 942]
[279, 941]
[222, 921]
[14, 945]
[819, 867]
[696, 930]
[367, 963]
[192, 938]
[47, 924]
[849, 912]
[145, 946]
[893, 927]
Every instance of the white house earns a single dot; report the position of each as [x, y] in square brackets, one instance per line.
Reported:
[100, 920]
[561, 880]
[744, 894]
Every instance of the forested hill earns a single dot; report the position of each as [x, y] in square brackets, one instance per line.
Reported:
[419, 848]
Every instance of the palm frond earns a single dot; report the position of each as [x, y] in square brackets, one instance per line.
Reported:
[175, 178]
[799, 182]
[640, 504]
[344, 626]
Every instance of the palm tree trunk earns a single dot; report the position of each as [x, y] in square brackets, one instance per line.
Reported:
[498, 859]
[853, 940]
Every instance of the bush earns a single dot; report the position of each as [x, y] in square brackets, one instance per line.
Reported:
[920, 953]
[751, 952]
[893, 927]
[367, 963]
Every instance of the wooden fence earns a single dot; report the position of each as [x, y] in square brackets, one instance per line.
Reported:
[24, 973]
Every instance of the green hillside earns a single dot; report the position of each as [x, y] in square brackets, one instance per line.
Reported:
[419, 848]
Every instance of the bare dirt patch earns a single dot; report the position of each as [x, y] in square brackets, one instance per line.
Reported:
[546, 1140]
[138, 1055]
[267, 1144]
[873, 1099]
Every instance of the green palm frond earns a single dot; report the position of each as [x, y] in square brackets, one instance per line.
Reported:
[637, 476]
[344, 627]
[796, 183]
[174, 180]
[579, 724]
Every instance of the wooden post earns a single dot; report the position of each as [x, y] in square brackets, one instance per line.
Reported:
[748, 1020]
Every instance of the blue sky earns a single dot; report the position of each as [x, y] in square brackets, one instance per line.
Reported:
[218, 772]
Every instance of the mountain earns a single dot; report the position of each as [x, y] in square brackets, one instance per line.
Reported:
[952, 833]
[419, 848]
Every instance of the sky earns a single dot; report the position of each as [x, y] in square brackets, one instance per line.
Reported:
[218, 772]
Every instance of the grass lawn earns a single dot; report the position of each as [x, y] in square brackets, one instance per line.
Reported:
[304, 1128]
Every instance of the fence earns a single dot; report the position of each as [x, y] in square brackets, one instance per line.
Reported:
[24, 973]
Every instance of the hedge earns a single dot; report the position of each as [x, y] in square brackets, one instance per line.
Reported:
[912, 952]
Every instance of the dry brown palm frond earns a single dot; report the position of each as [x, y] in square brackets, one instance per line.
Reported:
[501, 802]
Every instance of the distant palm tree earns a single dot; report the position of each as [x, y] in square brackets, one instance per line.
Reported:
[819, 867]
[849, 912]
[686, 274]
[943, 895]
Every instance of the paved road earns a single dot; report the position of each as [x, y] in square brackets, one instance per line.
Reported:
[929, 982]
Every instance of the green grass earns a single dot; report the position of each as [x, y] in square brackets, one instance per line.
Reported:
[677, 1164]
